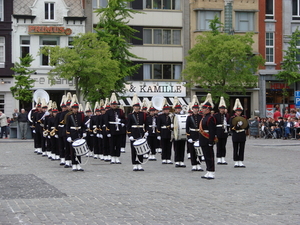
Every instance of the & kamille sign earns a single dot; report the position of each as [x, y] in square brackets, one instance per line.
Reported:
[49, 30]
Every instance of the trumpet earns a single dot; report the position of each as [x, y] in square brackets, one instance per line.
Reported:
[52, 132]
[45, 133]
[95, 130]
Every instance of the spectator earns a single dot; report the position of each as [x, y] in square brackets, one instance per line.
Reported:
[298, 113]
[286, 114]
[276, 114]
[288, 125]
[23, 123]
[293, 113]
[8, 125]
[15, 115]
[3, 124]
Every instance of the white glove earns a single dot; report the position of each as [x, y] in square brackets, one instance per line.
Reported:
[48, 136]
[172, 125]
[122, 124]
[131, 138]
[146, 134]
[44, 135]
[56, 136]
[33, 131]
[190, 140]
[69, 139]
[84, 135]
[98, 135]
[119, 120]
[240, 123]
[158, 137]
[210, 145]
[108, 135]
[101, 136]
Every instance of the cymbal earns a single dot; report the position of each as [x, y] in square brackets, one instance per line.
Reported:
[237, 119]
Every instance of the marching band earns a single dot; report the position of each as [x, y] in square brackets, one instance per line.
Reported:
[68, 134]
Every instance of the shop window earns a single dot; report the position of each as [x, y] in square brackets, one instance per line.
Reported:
[204, 18]
[1, 11]
[162, 36]
[47, 41]
[2, 101]
[24, 45]
[49, 11]
[100, 4]
[296, 9]
[244, 21]
[270, 9]
[269, 47]
[2, 52]
[161, 71]
[162, 4]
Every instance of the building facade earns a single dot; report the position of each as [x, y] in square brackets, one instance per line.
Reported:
[6, 79]
[278, 20]
[238, 17]
[163, 32]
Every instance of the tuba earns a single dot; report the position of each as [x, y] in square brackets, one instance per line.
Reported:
[157, 102]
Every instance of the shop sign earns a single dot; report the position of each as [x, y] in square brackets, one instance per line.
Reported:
[297, 99]
[279, 86]
[43, 82]
[148, 89]
[49, 30]
[269, 113]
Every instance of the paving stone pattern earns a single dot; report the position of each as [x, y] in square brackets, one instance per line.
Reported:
[36, 190]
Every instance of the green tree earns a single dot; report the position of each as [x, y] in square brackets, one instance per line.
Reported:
[89, 62]
[113, 29]
[23, 82]
[221, 63]
[290, 71]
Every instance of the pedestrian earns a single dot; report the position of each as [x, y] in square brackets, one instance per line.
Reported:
[23, 123]
[15, 115]
[3, 125]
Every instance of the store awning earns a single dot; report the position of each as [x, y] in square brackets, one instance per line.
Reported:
[126, 102]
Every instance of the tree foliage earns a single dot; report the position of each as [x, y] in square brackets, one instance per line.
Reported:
[113, 29]
[23, 82]
[290, 71]
[89, 62]
[221, 63]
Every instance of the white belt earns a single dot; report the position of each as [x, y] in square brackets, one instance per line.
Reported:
[94, 126]
[207, 131]
[103, 125]
[238, 131]
[152, 126]
[52, 128]
[192, 129]
[137, 126]
[41, 124]
[110, 122]
[164, 127]
[75, 128]
[61, 125]
[219, 125]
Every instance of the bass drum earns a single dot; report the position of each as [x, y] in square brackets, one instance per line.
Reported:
[179, 127]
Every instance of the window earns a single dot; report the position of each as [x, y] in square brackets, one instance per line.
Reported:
[269, 47]
[47, 41]
[49, 11]
[270, 9]
[296, 9]
[100, 4]
[1, 11]
[2, 103]
[161, 36]
[298, 54]
[244, 21]
[162, 4]
[70, 42]
[204, 18]
[25, 45]
[2, 52]
[161, 71]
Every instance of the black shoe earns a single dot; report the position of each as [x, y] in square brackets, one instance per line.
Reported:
[200, 170]
[236, 166]
[135, 169]
[164, 163]
[80, 169]
[177, 165]
[67, 166]
[112, 162]
[193, 169]
[62, 164]
[225, 163]
[141, 169]
[183, 166]
[219, 163]
[118, 163]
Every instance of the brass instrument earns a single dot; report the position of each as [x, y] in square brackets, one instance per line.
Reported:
[237, 119]
[95, 130]
[52, 132]
[45, 133]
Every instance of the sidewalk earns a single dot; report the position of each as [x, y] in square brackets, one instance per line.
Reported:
[36, 190]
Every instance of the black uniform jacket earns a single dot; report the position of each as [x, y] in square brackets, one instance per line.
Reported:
[164, 126]
[192, 126]
[208, 124]
[136, 124]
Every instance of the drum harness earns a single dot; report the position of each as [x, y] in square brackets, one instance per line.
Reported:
[76, 125]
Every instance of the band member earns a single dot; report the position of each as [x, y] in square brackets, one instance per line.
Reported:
[75, 129]
[179, 145]
[192, 132]
[46, 129]
[62, 138]
[114, 119]
[42, 116]
[222, 120]
[105, 134]
[238, 126]
[207, 129]
[123, 133]
[164, 132]
[88, 128]
[53, 134]
[135, 130]
[151, 129]
[99, 131]
[94, 130]
[34, 119]
[68, 163]
[188, 150]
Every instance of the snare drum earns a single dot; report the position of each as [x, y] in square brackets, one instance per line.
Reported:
[179, 127]
[80, 147]
[141, 146]
[198, 148]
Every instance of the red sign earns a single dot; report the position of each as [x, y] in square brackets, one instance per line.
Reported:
[49, 30]
[278, 86]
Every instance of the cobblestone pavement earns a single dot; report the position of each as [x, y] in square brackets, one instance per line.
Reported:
[36, 190]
